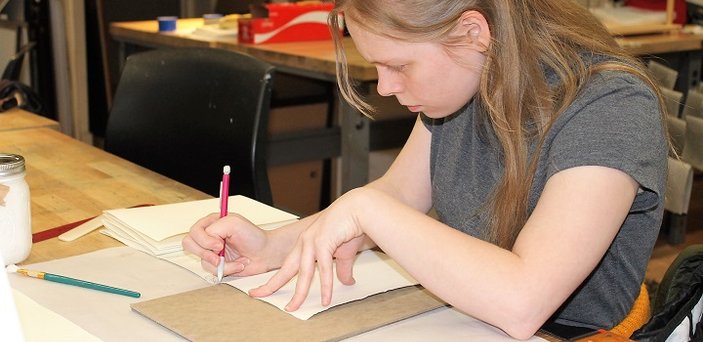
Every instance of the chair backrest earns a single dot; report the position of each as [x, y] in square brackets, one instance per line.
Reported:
[679, 184]
[693, 145]
[677, 132]
[693, 105]
[185, 113]
[672, 100]
[664, 75]
[13, 68]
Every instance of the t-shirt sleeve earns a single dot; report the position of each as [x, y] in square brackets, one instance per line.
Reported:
[615, 122]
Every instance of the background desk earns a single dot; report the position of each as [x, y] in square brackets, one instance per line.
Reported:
[317, 60]
[354, 136]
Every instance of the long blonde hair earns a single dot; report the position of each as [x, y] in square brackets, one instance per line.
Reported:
[527, 36]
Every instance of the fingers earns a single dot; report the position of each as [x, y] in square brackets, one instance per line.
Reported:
[325, 265]
[207, 256]
[306, 272]
[232, 268]
[345, 270]
[280, 278]
[199, 240]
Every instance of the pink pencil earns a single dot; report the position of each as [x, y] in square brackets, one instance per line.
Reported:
[224, 197]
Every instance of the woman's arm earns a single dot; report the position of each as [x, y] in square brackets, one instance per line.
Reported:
[576, 219]
[408, 178]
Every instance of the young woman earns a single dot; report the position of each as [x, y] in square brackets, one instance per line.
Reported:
[539, 143]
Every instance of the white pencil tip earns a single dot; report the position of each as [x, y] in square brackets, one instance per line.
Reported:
[226, 170]
[12, 268]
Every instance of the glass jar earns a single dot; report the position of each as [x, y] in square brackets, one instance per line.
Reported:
[15, 221]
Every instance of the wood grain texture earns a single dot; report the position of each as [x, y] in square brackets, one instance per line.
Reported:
[16, 118]
[70, 180]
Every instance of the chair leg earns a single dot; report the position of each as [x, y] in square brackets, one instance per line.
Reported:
[326, 186]
[676, 224]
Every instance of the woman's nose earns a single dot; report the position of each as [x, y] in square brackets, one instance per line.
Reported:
[388, 85]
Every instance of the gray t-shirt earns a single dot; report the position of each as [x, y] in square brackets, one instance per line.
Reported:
[614, 122]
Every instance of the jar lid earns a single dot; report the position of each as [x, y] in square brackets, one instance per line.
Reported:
[11, 164]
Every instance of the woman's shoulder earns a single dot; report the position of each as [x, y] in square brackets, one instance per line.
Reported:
[608, 80]
[616, 96]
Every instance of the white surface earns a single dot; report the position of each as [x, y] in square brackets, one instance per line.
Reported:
[374, 273]
[443, 324]
[54, 327]
[9, 320]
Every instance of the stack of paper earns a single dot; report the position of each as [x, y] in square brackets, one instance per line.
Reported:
[158, 230]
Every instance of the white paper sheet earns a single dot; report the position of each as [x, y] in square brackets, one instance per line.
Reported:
[374, 273]
[42, 324]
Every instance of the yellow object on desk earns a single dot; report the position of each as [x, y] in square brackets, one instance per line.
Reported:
[231, 21]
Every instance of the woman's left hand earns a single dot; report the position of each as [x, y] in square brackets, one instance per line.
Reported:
[335, 234]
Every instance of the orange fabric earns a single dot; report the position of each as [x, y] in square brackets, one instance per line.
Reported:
[638, 316]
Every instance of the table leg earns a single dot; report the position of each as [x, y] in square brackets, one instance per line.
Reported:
[692, 69]
[355, 144]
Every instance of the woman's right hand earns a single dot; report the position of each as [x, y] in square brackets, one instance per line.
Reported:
[245, 245]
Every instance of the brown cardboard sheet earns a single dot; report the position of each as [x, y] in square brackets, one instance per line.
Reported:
[221, 312]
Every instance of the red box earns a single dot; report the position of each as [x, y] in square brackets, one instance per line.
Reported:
[287, 22]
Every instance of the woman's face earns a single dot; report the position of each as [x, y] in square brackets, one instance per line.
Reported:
[422, 76]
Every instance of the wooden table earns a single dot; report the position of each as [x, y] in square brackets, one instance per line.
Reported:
[16, 118]
[315, 60]
[70, 181]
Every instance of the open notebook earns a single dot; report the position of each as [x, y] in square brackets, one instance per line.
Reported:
[158, 230]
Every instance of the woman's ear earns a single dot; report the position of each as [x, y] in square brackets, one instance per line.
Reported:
[474, 26]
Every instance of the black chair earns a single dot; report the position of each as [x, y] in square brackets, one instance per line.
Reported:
[185, 113]
[13, 68]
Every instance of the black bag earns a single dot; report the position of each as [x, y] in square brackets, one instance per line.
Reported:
[16, 94]
[679, 301]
